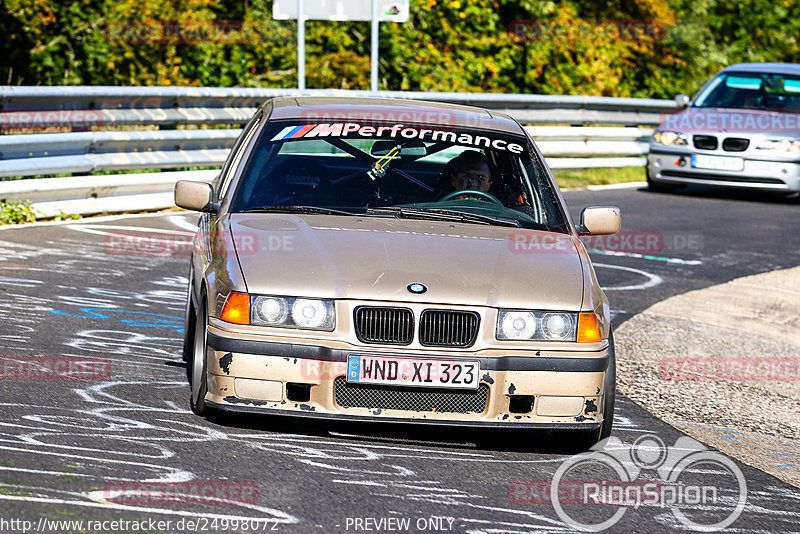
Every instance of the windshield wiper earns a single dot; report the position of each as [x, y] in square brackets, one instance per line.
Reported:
[299, 209]
[316, 210]
[439, 214]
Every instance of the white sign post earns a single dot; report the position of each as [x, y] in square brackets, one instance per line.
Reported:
[301, 47]
[340, 10]
[373, 52]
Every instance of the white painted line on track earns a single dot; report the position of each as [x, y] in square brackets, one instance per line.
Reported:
[86, 220]
[181, 222]
[621, 185]
[99, 230]
[652, 279]
[650, 257]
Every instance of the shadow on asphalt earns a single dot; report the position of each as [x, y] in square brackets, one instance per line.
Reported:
[718, 193]
[434, 436]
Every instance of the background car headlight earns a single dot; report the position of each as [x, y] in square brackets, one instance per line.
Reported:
[668, 137]
[537, 326]
[779, 145]
[313, 314]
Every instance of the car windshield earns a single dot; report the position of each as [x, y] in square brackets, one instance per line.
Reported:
[396, 170]
[751, 91]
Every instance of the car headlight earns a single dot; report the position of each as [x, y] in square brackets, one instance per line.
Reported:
[291, 312]
[516, 325]
[270, 310]
[668, 137]
[539, 326]
[779, 145]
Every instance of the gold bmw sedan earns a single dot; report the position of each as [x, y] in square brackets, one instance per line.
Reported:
[400, 261]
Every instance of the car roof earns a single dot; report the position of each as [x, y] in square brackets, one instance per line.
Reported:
[391, 110]
[766, 68]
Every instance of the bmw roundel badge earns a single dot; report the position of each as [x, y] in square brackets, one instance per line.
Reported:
[416, 288]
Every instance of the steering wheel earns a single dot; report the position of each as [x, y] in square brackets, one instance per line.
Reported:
[483, 195]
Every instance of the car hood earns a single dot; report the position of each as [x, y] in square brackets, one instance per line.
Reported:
[371, 258]
[728, 120]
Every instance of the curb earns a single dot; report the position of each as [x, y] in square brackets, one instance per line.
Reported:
[688, 361]
[96, 218]
[606, 187]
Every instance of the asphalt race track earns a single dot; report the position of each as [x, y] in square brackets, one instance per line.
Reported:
[66, 444]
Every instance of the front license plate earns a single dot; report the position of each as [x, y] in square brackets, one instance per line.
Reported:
[418, 372]
[720, 163]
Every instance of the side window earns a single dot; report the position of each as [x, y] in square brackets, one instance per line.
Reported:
[222, 184]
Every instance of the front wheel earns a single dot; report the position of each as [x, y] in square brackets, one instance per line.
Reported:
[588, 438]
[188, 328]
[197, 370]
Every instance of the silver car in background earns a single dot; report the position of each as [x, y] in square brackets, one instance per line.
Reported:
[742, 130]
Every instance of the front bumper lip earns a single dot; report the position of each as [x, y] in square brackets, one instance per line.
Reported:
[253, 407]
[761, 173]
[592, 364]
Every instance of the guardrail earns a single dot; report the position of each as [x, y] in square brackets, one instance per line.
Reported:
[83, 109]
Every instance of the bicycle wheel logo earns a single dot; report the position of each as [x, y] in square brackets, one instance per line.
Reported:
[703, 489]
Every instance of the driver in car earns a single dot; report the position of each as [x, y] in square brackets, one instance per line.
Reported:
[469, 170]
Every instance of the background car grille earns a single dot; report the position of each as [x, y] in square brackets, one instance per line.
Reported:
[414, 399]
[735, 144]
[384, 325]
[448, 328]
[705, 142]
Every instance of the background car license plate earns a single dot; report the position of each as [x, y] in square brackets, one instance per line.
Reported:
[720, 163]
[418, 372]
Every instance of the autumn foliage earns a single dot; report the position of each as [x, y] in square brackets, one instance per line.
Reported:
[639, 48]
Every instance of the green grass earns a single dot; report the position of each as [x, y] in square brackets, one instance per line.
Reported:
[584, 177]
[20, 212]
[15, 212]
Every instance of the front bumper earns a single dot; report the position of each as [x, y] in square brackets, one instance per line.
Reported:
[558, 390]
[672, 166]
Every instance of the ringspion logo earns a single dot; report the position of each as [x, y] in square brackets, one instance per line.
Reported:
[703, 489]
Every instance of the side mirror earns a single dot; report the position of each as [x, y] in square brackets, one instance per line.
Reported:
[600, 220]
[682, 101]
[196, 196]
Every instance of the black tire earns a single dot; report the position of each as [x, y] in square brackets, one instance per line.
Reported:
[609, 390]
[188, 328]
[197, 369]
[586, 439]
